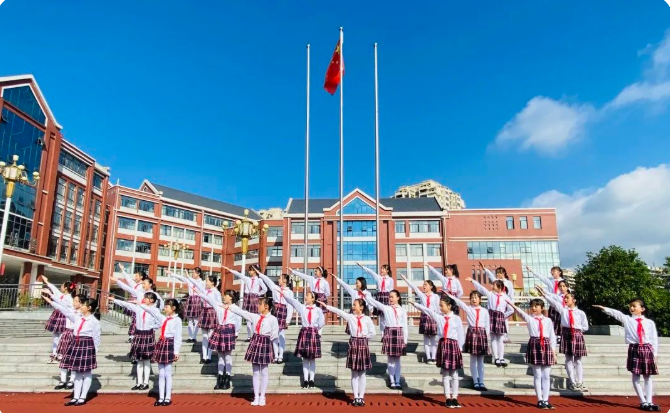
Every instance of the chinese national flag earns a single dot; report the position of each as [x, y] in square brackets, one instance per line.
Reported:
[333, 72]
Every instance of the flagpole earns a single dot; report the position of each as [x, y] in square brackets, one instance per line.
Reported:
[307, 165]
[377, 162]
[341, 244]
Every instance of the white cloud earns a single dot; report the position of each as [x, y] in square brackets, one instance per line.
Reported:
[632, 211]
[641, 91]
[546, 125]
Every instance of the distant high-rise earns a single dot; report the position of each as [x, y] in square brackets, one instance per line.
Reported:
[447, 198]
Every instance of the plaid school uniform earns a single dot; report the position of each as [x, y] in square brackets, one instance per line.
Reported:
[309, 343]
[382, 297]
[476, 342]
[56, 322]
[427, 326]
[81, 356]
[449, 355]
[393, 342]
[143, 345]
[322, 297]
[223, 338]
[250, 303]
[555, 317]
[641, 360]
[572, 342]
[194, 307]
[259, 350]
[280, 312]
[207, 318]
[163, 351]
[358, 355]
[497, 321]
[539, 352]
[64, 346]
[133, 325]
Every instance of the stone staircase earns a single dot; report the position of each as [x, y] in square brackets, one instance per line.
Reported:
[23, 367]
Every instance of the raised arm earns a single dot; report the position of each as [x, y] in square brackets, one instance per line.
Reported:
[374, 303]
[464, 306]
[308, 279]
[528, 319]
[428, 311]
[199, 286]
[293, 303]
[414, 288]
[268, 281]
[545, 279]
[616, 314]
[349, 289]
[240, 312]
[52, 287]
[67, 311]
[210, 300]
[377, 277]
[154, 312]
[439, 276]
[552, 299]
[483, 291]
[124, 304]
[134, 293]
[342, 314]
[127, 277]
[490, 274]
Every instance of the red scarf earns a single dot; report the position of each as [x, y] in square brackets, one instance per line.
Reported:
[640, 330]
[163, 327]
[539, 320]
[383, 284]
[83, 320]
[446, 327]
[360, 325]
[258, 326]
[316, 286]
[572, 320]
[477, 319]
[309, 315]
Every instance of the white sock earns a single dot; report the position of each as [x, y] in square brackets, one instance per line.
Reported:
[446, 383]
[537, 381]
[305, 369]
[312, 369]
[433, 347]
[168, 382]
[282, 343]
[648, 387]
[275, 348]
[79, 383]
[638, 388]
[229, 362]
[249, 332]
[221, 365]
[398, 368]
[54, 343]
[546, 382]
[256, 379]
[205, 343]
[454, 382]
[147, 370]
[140, 371]
[390, 368]
[579, 367]
[63, 375]
[86, 385]
[494, 347]
[161, 381]
[480, 368]
[362, 383]
[354, 383]
[501, 347]
[191, 329]
[570, 368]
[426, 347]
[474, 369]
[264, 380]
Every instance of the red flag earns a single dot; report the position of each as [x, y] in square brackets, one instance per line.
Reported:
[333, 72]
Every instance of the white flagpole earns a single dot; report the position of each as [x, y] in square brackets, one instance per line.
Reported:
[307, 165]
[377, 162]
[341, 243]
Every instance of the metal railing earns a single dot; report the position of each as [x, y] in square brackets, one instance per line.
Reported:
[25, 297]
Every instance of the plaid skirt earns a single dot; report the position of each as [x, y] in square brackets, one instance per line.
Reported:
[280, 311]
[393, 342]
[322, 297]
[143, 345]
[64, 346]
[641, 360]
[555, 317]
[449, 355]
[56, 322]
[497, 322]
[133, 325]
[427, 326]
[223, 338]
[193, 307]
[358, 355]
[309, 343]
[207, 319]
[382, 297]
[250, 303]
[538, 354]
[572, 342]
[164, 351]
[81, 356]
[259, 350]
[476, 342]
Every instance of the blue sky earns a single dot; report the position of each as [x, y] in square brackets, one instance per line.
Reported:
[173, 91]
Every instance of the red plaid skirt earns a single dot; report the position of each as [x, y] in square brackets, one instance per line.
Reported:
[64, 346]
[81, 356]
[223, 338]
[555, 317]
[382, 297]
[133, 326]
[427, 326]
[476, 342]
[449, 355]
[358, 355]
[250, 303]
[572, 342]
[143, 345]
[322, 297]
[56, 322]
[164, 351]
[497, 322]
[393, 342]
[538, 354]
[193, 307]
[260, 350]
[207, 319]
[280, 311]
[641, 360]
[309, 343]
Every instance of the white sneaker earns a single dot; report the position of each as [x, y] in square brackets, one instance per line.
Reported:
[261, 402]
[582, 387]
[255, 402]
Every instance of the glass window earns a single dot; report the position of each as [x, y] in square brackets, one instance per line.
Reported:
[73, 253]
[424, 226]
[434, 250]
[126, 223]
[161, 271]
[313, 251]
[60, 190]
[273, 271]
[297, 228]
[205, 256]
[141, 268]
[401, 250]
[70, 194]
[178, 213]
[166, 230]
[416, 274]
[297, 251]
[23, 98]
[70, 162]
[53, 247]
[416, 250]
[358, 207]
[212, 220]
[359, 251]
[80, 198]
[77, 225]
[537, 222]
[187, 254]
[146, 206]
[97, 209]
[523, 222]
[64, 247]
[143, 247]
[216, 257]
[94, 232]
[163, 251]
[277, 232]
[359, 228]
[67, 226]
[58, 217]
[189, 235]
[510, 222]
[178, 232]
[128, 202]
[124, 245]
[273, 252]
[97, 181]
[91, 259]
[351, 272]
[144, 226]
[400, 227]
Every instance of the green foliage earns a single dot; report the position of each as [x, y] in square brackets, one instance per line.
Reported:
[612, 278]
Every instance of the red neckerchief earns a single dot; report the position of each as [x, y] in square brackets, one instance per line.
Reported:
[258, 326]
[163, 327]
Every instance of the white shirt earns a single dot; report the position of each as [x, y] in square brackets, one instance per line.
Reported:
[533, 323]
[384, 283]
[136, 290]
[318, 285]
[63, 299]
[269, 324]
[143, 320]
[508, 284]
[366, 329]
[88, 326]
[353, 293]
[172, 325]
[455, 328]
[630, 325]
[223, 316]
[279, 295]
[550, 282]
[394, 315]
[578, 316]
[496, 301]
[211, 292]
[451, 285]
[478, 317]
[252, 285]
[317, 319]
[431, 300]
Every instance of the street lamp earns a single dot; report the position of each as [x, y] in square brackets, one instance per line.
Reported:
[176, 247]
[13, 174]
[246, 229]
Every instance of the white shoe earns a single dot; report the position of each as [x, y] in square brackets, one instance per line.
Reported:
[255, 402]
[261, 402]
[582, 387]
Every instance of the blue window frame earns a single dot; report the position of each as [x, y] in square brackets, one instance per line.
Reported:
[358, 207]
[23, 98]
[359, 228]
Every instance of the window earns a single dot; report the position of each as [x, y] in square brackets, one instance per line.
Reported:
[53, 247]
[97, 209]
[23, 98]
[178, 232]
[178, 213]
[73, 164]
[64, 247]
[276, 232]
[60, 191]
[187, 254]
[124, 245]
[67, 226]
[77, 225]
[144, 226]
[97, 181]
[126, 223]
[212, 239]
[313, 251]
[523, 222]
[128, 202]
[143, 247]
[432, 276]
[416, 274]
[537, 222]
[351, 272]
[70, 194]
[273, 272]
[205, 256]
[147, 206]
[401, 250]
[163, 251]
[434, 250]
[510, 222]
[91, 259]
[141, 268]
[359, 251]
[424, 226]
[359, 228]
[166, 230]
[274, 252]
[216, 258]
[58, 217]
[299, 227]
[80, 198]
[161, 271]
[215, 221]
[416, 250]
[94, 232]
[190, 235]
[358, 207]
[400, 227]
[73, 253]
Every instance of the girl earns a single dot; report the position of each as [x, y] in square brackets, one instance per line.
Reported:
[501, 274]
[394, 341]
[66, 341]
[384, 288]
[281, 310]
[139, 287]
[551, 282]
[427, 326]
[553, 313]
[642, 340]
[309, 340]
[207, 321]
[362, 330]
[57, 322]
[497, 304]
[194, 306]
[143, 345]
[318, 284]
[574, 323]
[137, 291]
[223, 337]
[541, 350]
[81, 356]
[361, 291]
[476, 339]
[167, 348]
[253, 289]
[259, 352]
[451, 286]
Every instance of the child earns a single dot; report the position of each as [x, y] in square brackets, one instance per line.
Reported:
[281, 310]
[427, 326]
[194, 306]
[358, 356]
[451, 286]
[137, 292]
[137, 289]
[81, 356]
[642, 339]
[496, 303]
[501, 274]
[449, 356]
[394, 341]
[573, 325]
[66, 340]
[253, 290]
[167, 348]
[309, 340]
[384, 288]
[142, 348]
[57, 323]
[259, 352]
[551, 282]
[554, 314]
[318, 284]
[223, 337]
[476, 339]
[541, 350]
[361, 292]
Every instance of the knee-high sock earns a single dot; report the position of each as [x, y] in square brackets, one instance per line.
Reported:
[426, 347]
[354, 383]
[579, 370]
[537, 381]
[454, 382]
[546, 382]
[86, 385]
[494, 346]
[433, 347]
[63, 375]
[249, 332]
[256, 379]
[398, 369]
[79, 383]
[205, 344]
[275, 348]
[570, 368]
[54, 343]
[390, 368]
[480, 368]
[168, 382]
[147, 370]
[282, 343]
[474, 369]
[192, 329]
[362, 383]
[265, 376]
[312, 369]
[140, 371]
[446, 383]
[648, 388]
[501, 346]
[161, 381]
[229, 362]
[305, 369]
[638, 389]
[221, 365]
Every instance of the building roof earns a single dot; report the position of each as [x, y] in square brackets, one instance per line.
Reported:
[317, 205]
[30, 80]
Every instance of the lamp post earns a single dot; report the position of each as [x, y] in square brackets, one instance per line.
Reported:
[224, 253]
[176, 247]
[13, 174]
[245, 228]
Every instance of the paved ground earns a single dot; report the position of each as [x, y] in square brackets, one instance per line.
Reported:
[53, 402]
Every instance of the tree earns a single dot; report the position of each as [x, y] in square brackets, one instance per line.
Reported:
[613, 277]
